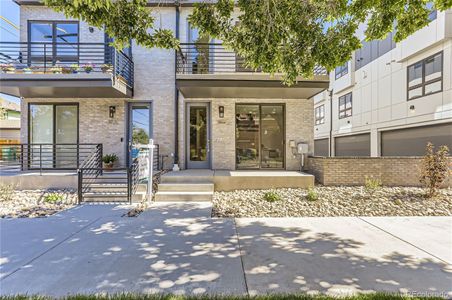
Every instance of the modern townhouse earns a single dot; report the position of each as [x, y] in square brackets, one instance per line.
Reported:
[201, 105]
[391, 98]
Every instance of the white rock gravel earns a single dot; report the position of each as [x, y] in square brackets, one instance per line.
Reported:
[31, 203]
[333, 201]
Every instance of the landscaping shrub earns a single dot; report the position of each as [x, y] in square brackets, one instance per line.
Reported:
[312, 195]
[53, 198]
[435, 169]
[371, 185]
[6, 192]
[272, 196]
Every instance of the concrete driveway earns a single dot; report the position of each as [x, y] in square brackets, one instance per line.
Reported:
[178, 248]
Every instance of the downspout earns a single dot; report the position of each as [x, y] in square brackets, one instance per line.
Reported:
[176, 94]
[331, 122]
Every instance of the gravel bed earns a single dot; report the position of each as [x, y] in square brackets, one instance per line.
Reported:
[33, 204]
[332, 201]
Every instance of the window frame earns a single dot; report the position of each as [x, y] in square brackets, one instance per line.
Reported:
[345, 110]
[320, 119]
[343, 70]
[424, 83]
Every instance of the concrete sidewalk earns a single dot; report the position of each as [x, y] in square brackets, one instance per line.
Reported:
[178, 248]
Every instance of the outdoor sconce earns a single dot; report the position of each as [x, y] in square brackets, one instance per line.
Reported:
[221, 111]
[412, 108]
[112, 111]
[91, 29]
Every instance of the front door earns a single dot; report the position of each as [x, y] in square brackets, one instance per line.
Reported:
[140, 127]
[198, 136]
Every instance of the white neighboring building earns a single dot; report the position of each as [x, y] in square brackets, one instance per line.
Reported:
[390, 99]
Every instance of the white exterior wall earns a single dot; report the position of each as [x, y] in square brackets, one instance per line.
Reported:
[379, 89]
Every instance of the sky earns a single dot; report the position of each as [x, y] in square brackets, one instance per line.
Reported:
[8, 33]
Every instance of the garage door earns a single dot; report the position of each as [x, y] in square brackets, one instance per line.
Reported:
[321, 147]
[412, 141]
[353, 145]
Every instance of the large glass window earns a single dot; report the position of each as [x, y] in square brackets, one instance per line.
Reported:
[319, 114]
[341, 70]
[54, 41]
[425, 77]
[198, 52]
[345, 106]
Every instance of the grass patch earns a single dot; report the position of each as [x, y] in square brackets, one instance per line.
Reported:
[272, 196]
[373, 296]
[53, 198]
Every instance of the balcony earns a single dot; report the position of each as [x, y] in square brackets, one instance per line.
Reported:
[211, 71]
[65, 70]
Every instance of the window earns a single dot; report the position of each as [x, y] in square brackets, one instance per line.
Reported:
[319, 114]
[341, 70]
[345, 106]
[425, 77]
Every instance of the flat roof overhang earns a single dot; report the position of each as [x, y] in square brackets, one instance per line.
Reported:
[63, 86]
[260, 86]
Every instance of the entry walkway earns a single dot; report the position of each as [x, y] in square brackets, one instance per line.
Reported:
[178, 248]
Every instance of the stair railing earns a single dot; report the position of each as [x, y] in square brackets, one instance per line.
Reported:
[132, 179]
[91, 168]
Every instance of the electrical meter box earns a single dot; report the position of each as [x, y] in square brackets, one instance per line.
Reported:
[302, 148]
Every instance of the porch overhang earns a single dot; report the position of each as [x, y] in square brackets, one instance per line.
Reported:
[258, 86]
[63, 86]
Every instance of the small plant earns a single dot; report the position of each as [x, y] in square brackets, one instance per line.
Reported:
[74, 68]
[272, 196]
[6, 192]
[435, 169]
[66, 70]
[27, 70]
[106, 68]
[53, 198]
[312, 195]
[371, 184]
[88, 68]
[56, 70]
[109, 160]
[7, 68]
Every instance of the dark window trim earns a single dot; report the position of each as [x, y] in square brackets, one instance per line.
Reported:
[345, 110]
[320, 119]
[424, 83]
[341, 71]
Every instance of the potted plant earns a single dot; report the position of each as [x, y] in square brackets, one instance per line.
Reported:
[27, 70]
[8, 68]
[106, 68]
[88, 68]
[75, 68]
[66, 70]
[109, 160]
[56, 70]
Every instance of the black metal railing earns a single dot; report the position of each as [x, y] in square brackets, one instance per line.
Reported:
[214, 58]
[65, 58]
[132, 179]
[22, 157]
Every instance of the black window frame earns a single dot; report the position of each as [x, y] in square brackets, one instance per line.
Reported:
[345, 110]
[320, 119]
[341, 71]
[424, 83]
[54, 42]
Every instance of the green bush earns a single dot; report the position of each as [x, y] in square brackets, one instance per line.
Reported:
[53, 198]
[272, 196]
[109, 158]
[435, 169]
[371, 185]
[312, 195]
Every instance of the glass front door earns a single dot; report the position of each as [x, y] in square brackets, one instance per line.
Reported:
[198, 135]
[260, 136]
[140, 127]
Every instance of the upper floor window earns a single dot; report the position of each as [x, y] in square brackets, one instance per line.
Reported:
[319, 114]
[425, 77]
[341, 71]
[345, 106]
[53, 41]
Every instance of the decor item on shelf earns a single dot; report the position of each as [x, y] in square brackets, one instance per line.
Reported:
[106, 68]
[88, 68]
[56, 70]
[8, 68]
[75, 68]
[27, 70]
[66, 70]
[109, 160]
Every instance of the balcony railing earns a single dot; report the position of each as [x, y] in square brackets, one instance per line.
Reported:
[213, 58]
[65, 58]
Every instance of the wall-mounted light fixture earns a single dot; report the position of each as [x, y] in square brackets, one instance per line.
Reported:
[91, 29]
[412, 108]
[221, 112]
[112, 111]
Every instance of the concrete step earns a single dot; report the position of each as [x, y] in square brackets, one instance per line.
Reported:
[187, 179]
[185, 196]
[186, 187]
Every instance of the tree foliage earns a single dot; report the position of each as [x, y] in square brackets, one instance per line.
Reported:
[290, 37]
[124, 20]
